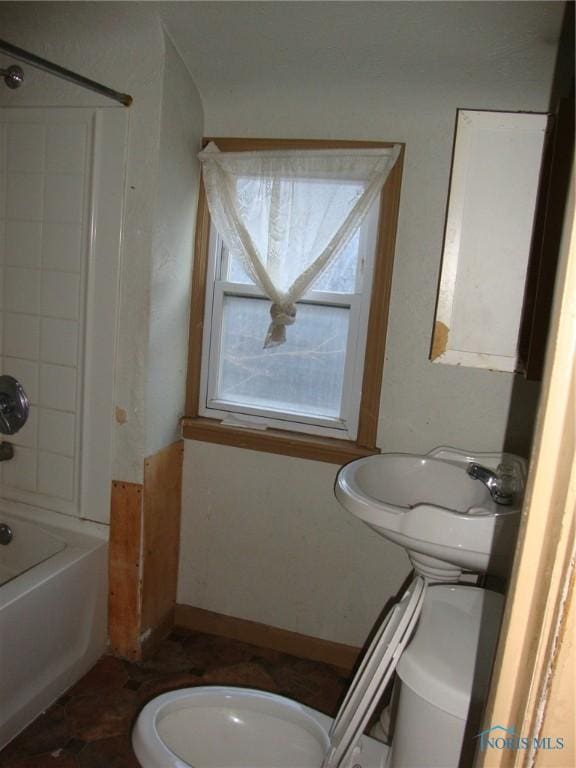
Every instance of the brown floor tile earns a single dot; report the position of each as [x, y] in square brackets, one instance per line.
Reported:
[209, 651]
[170, 657]
[102, 715]
[108, 674]
[46, 760]
[108, 753]
[154, 687]
[48, 733]
[246, 675]
[311, 683]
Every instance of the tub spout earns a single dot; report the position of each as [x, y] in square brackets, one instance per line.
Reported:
[6, 451]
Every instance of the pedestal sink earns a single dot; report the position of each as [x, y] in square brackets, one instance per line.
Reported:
[446, 519]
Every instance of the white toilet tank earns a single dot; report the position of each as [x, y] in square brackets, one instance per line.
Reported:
[443, 678]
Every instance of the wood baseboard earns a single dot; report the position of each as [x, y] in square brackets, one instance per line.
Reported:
[265, 636]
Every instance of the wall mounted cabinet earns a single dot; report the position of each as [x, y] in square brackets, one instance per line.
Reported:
[493, 192]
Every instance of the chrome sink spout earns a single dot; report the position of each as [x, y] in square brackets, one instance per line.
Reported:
[499, 485]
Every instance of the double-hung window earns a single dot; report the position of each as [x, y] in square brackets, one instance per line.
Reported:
[316, 392]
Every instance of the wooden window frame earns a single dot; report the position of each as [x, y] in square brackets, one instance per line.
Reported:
[290, 443]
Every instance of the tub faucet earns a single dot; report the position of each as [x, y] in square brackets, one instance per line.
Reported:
[501, 483]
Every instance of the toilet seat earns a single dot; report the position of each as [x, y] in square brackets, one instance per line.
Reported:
[226, 727]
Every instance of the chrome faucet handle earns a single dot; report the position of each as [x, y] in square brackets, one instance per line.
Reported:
[502, 484]
[14, 405]
[507, 480]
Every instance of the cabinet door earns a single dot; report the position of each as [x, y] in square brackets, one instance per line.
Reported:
[493, 192]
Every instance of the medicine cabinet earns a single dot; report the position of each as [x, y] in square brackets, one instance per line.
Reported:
[489, 224]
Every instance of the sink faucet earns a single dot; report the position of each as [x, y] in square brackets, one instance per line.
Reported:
[501, 483]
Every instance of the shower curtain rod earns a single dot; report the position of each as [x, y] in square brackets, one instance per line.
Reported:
[66, 74]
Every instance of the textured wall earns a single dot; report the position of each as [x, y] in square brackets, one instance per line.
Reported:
[178, 181]
[263, 537]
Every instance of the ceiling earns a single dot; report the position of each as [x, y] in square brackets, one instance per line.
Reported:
[233, 47]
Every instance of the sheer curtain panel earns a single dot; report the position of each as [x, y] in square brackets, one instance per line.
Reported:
[287, 215]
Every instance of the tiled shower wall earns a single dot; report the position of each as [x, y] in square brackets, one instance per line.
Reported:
[44, 186]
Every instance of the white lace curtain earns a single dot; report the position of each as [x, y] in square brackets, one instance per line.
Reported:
[286, 215]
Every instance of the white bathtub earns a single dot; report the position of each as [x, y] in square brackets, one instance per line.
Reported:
[52, 615]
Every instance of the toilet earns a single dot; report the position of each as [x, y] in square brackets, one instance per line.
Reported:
[443, 670]
[226, 727]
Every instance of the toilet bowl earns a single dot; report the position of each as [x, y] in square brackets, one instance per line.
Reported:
[226, 727]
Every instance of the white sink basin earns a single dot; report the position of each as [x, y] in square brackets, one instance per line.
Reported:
[428, 504]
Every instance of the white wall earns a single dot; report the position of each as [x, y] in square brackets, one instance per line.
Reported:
[263, 537]
[178, 183]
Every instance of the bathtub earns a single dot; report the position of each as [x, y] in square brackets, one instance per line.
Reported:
[52, 610]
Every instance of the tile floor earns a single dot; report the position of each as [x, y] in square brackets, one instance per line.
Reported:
[89, 727]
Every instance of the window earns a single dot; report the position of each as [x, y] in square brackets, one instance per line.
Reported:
[317, 394]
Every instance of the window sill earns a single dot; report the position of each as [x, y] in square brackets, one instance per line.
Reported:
[278, 441]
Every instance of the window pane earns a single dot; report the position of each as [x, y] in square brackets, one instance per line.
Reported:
[236, 272]
[304, 375]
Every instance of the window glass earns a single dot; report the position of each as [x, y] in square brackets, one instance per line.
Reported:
[305, 375]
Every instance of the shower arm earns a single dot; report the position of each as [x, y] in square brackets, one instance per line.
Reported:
[13, 75]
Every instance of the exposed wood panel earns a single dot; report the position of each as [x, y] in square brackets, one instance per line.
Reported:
[304, 646]
[161, 534]
[125, 569]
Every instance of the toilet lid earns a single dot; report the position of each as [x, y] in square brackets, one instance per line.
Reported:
[374, 674]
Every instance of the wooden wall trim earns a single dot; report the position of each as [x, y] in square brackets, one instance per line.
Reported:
[379, 308]
[161, 534]
[125, 569]
[277, 441]
[199, 620]
[143, 559]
